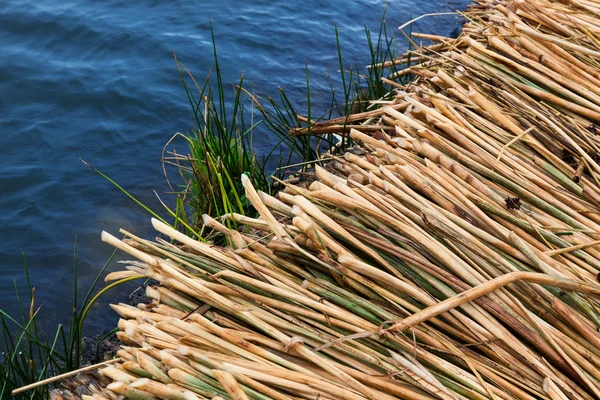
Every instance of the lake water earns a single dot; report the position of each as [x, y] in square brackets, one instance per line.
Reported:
[97, 80]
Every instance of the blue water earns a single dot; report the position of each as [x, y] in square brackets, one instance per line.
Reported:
[97, 80]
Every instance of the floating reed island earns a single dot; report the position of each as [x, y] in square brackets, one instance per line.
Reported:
[451, 254]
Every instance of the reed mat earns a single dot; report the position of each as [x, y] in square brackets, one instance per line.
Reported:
[450, 254]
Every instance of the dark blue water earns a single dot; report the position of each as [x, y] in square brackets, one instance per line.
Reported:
[97, 80]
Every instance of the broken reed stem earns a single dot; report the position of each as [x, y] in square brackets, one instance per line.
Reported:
[66, 375]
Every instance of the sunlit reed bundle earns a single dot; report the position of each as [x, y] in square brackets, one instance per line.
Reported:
[450, 255]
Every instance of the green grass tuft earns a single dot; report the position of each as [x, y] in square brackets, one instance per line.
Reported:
[220, 145]
[27, 356]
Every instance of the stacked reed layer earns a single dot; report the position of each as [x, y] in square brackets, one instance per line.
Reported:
[452, 254]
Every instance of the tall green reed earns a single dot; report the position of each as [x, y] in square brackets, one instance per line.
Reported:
[219, 148]
[220, 145]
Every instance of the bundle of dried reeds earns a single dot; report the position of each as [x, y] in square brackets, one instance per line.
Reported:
[450, 255]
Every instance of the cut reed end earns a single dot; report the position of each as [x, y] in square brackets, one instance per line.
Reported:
[152, 292]
[119, 309]
[187, 395]
[314, 186]
[140, 383]
[263, 196]
[156, 224]
[183, 350]
[344, 258]
[107, 237]
[130, 331]
[117, 387]
[546, 385]
[165, 354]
[117, 275]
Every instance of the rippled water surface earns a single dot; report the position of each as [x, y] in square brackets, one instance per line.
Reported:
[96, 80]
